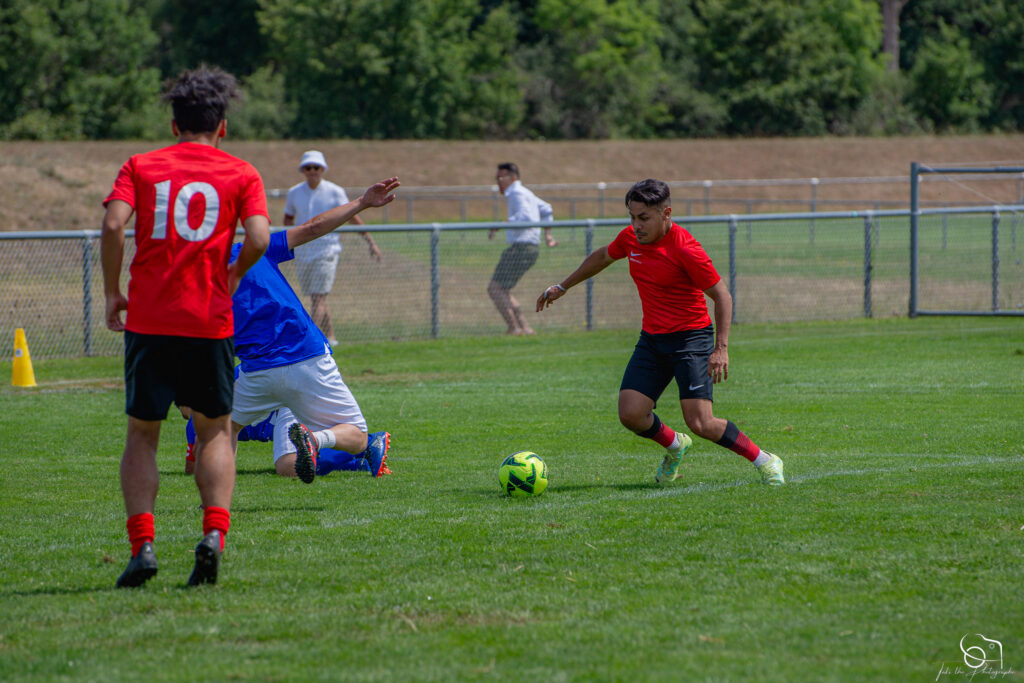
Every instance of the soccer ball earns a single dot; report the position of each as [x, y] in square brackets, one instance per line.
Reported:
[523, 474]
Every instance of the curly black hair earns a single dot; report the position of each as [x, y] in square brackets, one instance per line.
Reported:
[199, 98]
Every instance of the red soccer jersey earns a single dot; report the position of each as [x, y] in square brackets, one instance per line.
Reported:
[671, 276]
[188, 200]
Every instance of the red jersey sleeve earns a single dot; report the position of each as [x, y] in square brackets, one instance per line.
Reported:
[124, 185]
[698, 266]
[254, 198]
[618, 248]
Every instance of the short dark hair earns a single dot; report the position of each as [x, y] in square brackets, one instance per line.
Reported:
[510, 167]
[649, 192]
[199, 98]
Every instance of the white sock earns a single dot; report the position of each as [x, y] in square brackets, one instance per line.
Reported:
[325, 439]
[674, 446]
[762, 458]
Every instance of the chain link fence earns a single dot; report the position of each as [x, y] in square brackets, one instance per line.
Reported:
[432, 282]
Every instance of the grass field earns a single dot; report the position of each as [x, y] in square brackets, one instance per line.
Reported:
[899, 532]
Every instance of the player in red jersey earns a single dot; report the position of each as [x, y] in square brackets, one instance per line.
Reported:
[187, 199]
[672, 273]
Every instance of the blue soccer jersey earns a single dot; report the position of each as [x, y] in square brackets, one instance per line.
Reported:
[272, 328]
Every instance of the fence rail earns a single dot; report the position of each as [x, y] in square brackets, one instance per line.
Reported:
[432, 283]
[705, 197]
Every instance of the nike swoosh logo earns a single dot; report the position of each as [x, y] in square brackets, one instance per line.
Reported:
[634, 253]
[695, 387]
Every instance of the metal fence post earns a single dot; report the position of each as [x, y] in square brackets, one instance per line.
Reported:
[732, 263]
[914, 211]
[435, 281]
[995, 260]
[707, 197]
[87, 294]
[867, 265]
[601, 187]
[814, 203]
[945, 226]
[590, 281]
[409, 210]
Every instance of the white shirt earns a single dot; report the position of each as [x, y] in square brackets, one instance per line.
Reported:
[525, 207]
[304, 203]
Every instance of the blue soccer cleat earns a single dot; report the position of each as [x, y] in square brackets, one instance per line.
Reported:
[377, 453]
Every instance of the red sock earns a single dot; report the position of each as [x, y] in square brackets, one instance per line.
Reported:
[665, 436]
[216, 518]
[738, 442]
[662, 434]
[140, 530]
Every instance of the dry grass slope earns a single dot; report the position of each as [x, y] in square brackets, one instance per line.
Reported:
[60, 185]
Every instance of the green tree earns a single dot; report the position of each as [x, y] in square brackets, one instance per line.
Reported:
[788, 67]
[987, 36]
[392, 68]
[224, 33]
[263, 113]
[595, 70]
[76, 69]
[947, 82]
[692, 111]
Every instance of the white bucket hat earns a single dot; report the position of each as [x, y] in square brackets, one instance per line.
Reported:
[313, 157]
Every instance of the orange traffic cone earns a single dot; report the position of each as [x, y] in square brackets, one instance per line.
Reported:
[22, 375]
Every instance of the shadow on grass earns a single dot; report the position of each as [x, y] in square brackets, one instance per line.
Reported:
[572, 488]
[240, 472]
[105, 588]
[279, 508]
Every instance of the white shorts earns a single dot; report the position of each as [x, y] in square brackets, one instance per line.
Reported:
[312, 390]
[316, 277]
[282, 421]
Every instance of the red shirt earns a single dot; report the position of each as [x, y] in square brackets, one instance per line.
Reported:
[188, 200]
[671, 276]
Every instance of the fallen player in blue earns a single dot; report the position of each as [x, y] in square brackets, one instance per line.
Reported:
[274, 429]
[285, 361]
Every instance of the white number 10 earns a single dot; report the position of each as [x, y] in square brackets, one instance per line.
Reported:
[162, 211]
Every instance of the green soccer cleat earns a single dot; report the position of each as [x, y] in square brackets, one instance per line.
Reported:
[670, 465]
[771, 471]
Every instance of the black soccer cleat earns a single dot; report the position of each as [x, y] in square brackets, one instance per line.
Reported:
[207, 560]
[141, 568]
[306, 451]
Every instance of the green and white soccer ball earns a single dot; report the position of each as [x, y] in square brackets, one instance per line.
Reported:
[523, 474]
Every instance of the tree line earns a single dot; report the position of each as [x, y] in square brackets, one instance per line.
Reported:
[519, 69]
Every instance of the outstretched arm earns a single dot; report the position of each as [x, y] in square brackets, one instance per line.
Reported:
[376, 195]
[595, 262]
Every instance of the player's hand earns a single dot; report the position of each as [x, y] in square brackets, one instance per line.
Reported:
[375, 252]
[490, 233]
[550, 295]
[115, 304]
[381, 193]
[718, 366]
[551, 241]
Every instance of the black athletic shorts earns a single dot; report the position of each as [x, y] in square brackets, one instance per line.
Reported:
[517, 258]
[194, 372]
[658, 358]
